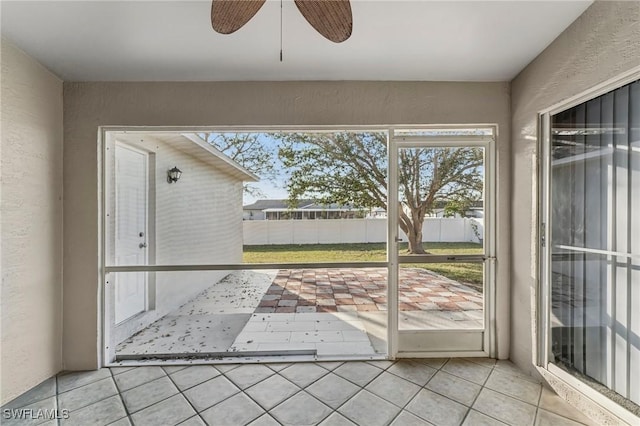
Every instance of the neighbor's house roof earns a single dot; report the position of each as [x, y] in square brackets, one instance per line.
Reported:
[440, 204]
[192, 144]
[306, 205]
[275, 204]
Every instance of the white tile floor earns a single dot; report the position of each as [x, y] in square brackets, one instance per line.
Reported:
[408, 392]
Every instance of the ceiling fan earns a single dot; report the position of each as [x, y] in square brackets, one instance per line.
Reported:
[331, 18]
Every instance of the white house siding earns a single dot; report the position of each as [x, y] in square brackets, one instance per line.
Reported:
[197, 220]
[31, 223]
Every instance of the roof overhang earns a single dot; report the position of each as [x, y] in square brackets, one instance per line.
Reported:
[192, 144]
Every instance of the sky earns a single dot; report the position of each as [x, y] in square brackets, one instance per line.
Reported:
[276, 189]
[270, 192]
[269, 189]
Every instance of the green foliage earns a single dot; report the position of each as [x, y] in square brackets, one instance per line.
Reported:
[341, 168]
[251, 151]
[351, 168]
[457, 207]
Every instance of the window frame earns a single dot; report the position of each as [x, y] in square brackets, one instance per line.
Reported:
[542, 334]
[106, 134]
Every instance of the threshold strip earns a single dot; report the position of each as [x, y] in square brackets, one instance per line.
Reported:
[243, 266]
[212, 355]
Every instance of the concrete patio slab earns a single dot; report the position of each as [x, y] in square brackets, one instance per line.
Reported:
[325, 333]
[185, 334]
[323, 311]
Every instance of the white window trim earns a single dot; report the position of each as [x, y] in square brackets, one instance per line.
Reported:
[543, 301]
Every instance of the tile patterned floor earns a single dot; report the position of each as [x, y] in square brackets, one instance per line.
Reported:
[409, 392]
[365, 289]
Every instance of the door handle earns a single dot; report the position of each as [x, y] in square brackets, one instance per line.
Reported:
[142, 245]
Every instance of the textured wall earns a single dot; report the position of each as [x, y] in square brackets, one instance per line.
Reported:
[31, 223]
[601, 44]
[89, 105]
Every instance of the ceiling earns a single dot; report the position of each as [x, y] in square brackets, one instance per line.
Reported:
[392, 40]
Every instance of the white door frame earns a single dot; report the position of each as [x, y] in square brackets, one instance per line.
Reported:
[470, 343]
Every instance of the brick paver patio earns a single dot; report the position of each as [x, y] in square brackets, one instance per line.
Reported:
[364, 289]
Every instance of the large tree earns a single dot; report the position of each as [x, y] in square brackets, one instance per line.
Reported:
[253, 151]
[351, 168]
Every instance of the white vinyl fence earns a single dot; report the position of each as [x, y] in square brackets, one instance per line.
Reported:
[336, 231]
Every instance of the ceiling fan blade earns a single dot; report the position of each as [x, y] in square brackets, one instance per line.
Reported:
[331, 18]
[228, 16]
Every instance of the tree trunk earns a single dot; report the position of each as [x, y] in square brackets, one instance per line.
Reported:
[415, 239]
[412, 226]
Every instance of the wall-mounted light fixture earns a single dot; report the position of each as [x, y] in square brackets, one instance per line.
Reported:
[173, 175]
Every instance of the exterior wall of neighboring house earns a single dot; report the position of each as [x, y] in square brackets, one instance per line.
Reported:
[89, 105]
[305, 214]
[601, 44]
[307, 209]
[31, 223]
[251, 214]
[196, 220]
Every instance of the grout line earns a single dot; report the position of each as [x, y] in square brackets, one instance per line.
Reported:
[126, 410]
[404, 378]
[155, 403]
[538, 406]
[189, 418]
[423, 387]
[57, 400]
[197, 384]
[303, 389]
[329, 372]
[516, 398]
[362, 388]
[308, 384]
[94, 402]
[267, 411]
[86, 384]
[300, 389]
[234, 384]
[185, 397]
[351, 381]
[136, 386]
[482, 387]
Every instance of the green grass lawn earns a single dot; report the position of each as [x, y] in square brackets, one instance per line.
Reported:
[369, 252]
